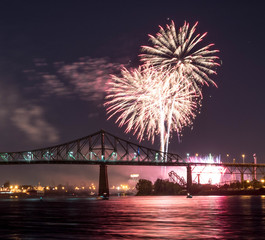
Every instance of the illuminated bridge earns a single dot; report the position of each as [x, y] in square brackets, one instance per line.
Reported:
[103, 148]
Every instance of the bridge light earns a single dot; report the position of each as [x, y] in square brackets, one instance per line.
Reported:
[71, 155]
[243, 156]
[114, 154]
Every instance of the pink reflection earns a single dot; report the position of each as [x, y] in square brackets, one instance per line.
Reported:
[171, 217]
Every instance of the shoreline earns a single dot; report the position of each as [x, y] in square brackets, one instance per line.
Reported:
[252, 192]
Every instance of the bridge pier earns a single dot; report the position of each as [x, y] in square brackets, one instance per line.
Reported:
[103, 189]
[189, 178]
[242, 178]
[198, 175]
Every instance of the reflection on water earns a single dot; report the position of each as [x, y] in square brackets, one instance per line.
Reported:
[174, 217]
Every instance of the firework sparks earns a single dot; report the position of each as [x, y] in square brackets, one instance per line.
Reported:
[178, 51]
[147, 101]
[163, 95]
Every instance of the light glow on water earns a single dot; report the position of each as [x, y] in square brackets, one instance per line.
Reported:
[150, 217]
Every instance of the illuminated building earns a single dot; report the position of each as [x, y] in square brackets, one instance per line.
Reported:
[133, 180]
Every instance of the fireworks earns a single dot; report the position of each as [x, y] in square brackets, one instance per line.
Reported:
[177, 51]
[148, 102]
[207, 174]
[163, 95]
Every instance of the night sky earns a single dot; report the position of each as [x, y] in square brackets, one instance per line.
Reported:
[56, 56]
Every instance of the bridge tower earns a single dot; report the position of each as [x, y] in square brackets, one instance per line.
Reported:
[189, 177]
[103, 189]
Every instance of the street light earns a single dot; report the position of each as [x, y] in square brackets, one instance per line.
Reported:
[243, 156]
[196, 156]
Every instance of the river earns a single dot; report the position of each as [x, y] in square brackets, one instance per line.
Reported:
[154, 217]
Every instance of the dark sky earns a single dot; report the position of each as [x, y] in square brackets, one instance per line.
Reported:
[55, 57]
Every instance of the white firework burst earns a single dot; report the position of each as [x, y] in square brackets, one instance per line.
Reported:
[151, 102]
[179, 51]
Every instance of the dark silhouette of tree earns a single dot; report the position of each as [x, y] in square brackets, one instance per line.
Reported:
[245, 184]
[7, 184]
[144, 187]
[164, 187]
[225, 187]
[256, 184]
[159, 186]
[235, 185]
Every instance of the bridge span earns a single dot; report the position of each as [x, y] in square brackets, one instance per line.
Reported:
[103, 148]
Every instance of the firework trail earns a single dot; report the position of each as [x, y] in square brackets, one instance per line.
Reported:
[151, 102]
[178, 51]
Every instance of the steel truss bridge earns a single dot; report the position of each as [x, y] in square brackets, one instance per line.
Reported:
[103, 148]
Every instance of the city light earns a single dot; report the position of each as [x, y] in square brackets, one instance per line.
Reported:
[134, 175]
[28, 190]
[243, 156]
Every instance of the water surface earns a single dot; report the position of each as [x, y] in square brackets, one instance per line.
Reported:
[162, 217]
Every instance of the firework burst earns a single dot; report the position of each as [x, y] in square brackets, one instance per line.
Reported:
[151, 102]
[178, 51]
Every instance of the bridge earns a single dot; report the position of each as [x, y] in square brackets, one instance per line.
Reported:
[103, 148]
